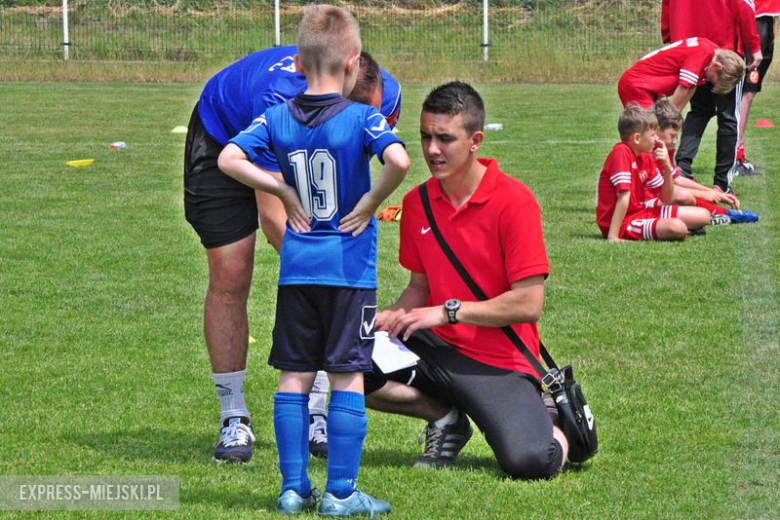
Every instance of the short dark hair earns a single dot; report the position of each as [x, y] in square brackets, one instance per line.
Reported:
[457, 98]
[667, 114]
[635, 119]
[369, 80]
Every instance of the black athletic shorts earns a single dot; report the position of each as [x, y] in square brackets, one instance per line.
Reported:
[765, 26]
[319, 327]
[220, 209]
[505, 405]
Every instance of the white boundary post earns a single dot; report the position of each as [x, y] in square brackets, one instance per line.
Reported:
[277, 25]
[65, 37]
[485, 33]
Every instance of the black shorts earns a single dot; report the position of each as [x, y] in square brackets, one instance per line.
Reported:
[505, 405]
[320, 327]
[220, 209]
[765, 25]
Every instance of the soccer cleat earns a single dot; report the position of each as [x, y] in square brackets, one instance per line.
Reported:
[291, 502]
[742, 216]
[697, 232]
[358, 503]
[719, 219]
[235, 442]
[727, 190]
[746, 168]
[318, 435]
[442, 445]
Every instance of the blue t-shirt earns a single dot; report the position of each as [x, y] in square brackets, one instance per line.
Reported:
[241, 92]
[323, 145]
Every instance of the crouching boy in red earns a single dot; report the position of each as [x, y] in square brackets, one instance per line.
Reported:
[629, 170]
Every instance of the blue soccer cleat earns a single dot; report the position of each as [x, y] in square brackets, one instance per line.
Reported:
[291, 502]
[358, 503]
[741, 216]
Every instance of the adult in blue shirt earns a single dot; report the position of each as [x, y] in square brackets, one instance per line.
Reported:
[224, 213]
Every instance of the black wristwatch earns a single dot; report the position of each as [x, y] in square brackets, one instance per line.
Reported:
[452, 306]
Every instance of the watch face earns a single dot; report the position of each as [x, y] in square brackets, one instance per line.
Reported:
[451, 304]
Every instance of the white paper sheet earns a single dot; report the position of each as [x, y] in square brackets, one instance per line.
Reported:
[390, 354]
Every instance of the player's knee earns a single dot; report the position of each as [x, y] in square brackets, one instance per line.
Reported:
[672, 229]
[687, 198]
[528, 464]
[231, 275]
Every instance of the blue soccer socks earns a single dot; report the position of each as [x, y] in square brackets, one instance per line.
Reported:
[291, 424]
[346, 432]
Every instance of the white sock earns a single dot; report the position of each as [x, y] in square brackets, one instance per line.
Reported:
[230, 390]
[448, 419]
[319, 394]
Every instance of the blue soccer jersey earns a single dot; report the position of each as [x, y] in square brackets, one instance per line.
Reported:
[323, 145]
[241, 92]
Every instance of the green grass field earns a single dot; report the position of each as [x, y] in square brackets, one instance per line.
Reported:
[104, 371]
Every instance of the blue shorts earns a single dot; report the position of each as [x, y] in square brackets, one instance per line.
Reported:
[320, 327]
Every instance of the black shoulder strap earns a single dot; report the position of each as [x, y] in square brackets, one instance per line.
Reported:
[509, 331]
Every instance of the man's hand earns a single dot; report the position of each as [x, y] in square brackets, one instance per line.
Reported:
[296, 215]
[397, 322]
[358, 219]
[755, 60]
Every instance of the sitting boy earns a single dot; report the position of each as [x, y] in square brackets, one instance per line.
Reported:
[677, 69]
[688, 192]
[326, 302]
[627, 172]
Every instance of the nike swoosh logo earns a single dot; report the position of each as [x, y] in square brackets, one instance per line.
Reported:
[367, 326]
[424, 230]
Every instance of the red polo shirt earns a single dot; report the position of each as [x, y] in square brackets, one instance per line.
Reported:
[497, 235]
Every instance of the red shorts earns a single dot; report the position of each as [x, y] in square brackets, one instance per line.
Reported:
[641, 225]
[630, 93]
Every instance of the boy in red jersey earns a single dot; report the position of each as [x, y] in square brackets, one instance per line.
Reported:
[620, 212]
[677, 69]
[688, 192]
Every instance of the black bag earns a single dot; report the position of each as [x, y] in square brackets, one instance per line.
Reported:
[577, 421]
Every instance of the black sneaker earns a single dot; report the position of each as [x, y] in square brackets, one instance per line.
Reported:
[697, 232]
[318, 436]
[442, 445]
[235, 441]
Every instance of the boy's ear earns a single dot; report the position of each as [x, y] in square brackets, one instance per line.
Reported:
[298, 65]
[636, 137]
[352, 62]
[477, 138]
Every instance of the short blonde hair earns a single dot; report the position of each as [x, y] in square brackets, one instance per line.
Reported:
[327, 36]
[635, 119]
[732, 72]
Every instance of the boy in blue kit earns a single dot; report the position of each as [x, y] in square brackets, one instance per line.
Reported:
[326, 304]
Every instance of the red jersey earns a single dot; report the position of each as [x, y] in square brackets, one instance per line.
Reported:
[658, 73]
[497, 235]
[730, 24]
[767, 8]
[624, 171]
